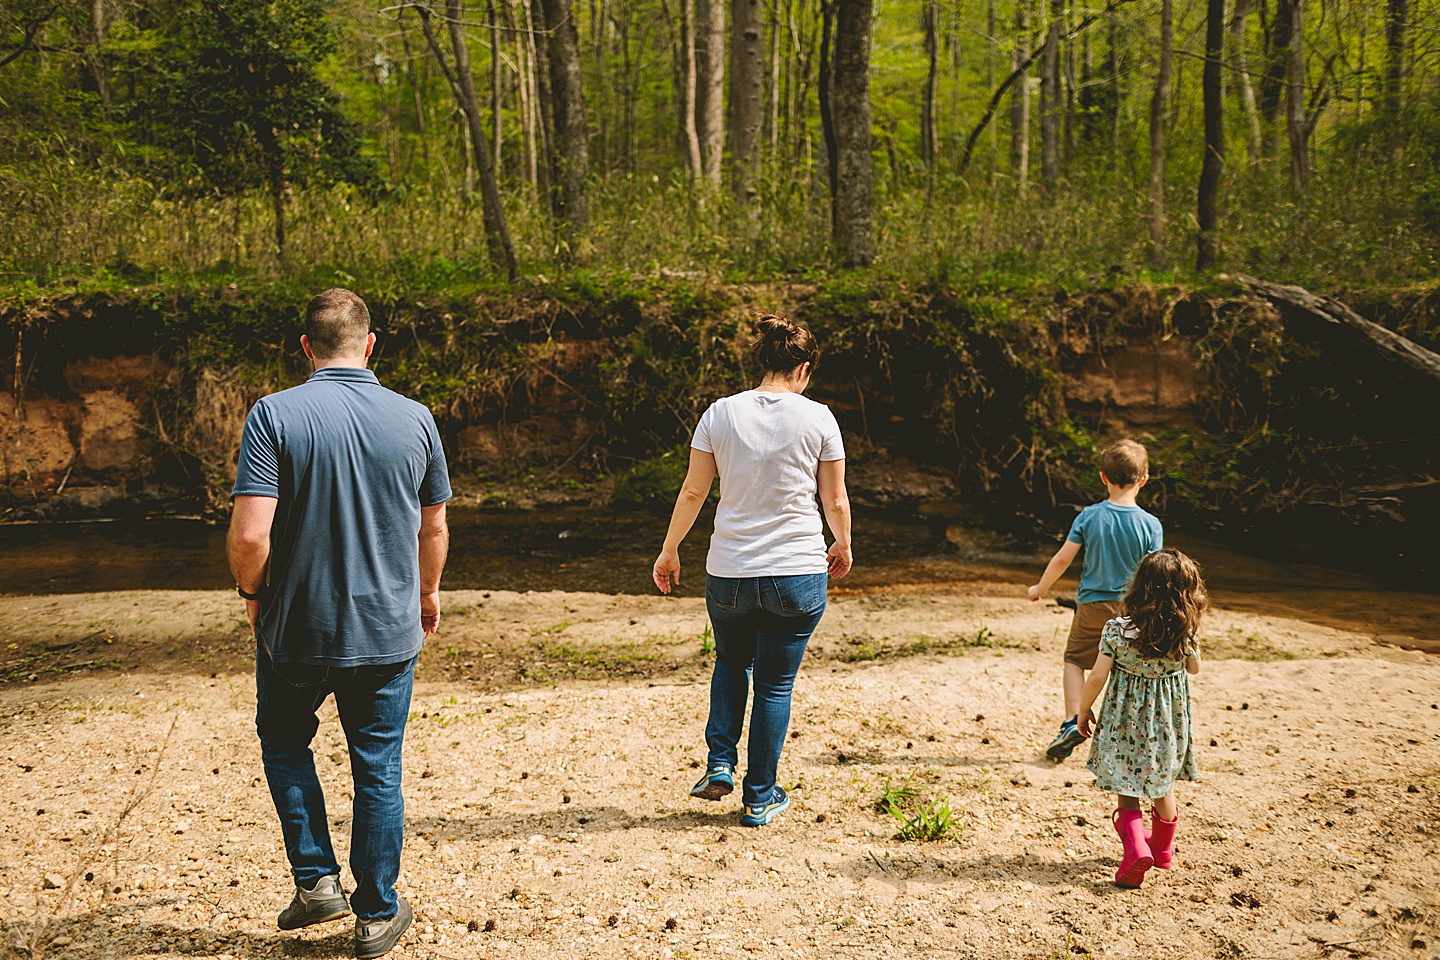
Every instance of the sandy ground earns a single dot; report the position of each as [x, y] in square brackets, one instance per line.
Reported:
[554, 736]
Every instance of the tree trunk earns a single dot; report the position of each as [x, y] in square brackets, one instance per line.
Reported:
[1069, 54]
[930, 15]
[1296, 126]
[497, 86]
[772, 112]
[97, 56]
[1397, 26]
[1020, 100]
[1157, 135]
[1117, 99]
[1273, 80]
[1241, 68]
[747, 77]
[1050, 99]
[545, 102]
[1213, 165]
[462, 86]
[854, 201]
[694, 165]
[710, 85]
[572, 148]
[826, 92]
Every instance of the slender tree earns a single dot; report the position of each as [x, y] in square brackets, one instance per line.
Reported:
[1397, 30]
[1296, 120]
[747, 79]
[1050, 99]
[1212, 167]
[710, 85]
[1020, 99]
[690, 134]
[572, 149]
[930, 14]
[462, 86]
[1240, 70]
[854, 200]
[1158, 103]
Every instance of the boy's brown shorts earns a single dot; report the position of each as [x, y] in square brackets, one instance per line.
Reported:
[1083, 646]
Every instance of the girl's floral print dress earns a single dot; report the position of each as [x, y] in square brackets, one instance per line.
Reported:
[1142, 741]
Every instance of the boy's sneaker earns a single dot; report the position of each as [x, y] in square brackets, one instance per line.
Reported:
[1065, 741]
[718, 782]
[324, 901]
[762, 813]
[377, 937]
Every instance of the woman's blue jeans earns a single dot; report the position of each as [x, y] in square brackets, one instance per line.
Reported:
[373, 703]
[761, 625]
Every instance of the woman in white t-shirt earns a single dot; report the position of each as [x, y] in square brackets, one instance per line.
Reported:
[766, 573]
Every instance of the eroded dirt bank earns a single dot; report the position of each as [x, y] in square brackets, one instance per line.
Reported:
[553, 740]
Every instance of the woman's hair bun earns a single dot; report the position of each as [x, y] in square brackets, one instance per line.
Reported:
[781, 345]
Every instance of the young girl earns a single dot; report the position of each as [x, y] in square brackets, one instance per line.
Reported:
[1142, 744]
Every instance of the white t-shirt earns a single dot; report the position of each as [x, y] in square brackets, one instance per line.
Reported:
[767, 447]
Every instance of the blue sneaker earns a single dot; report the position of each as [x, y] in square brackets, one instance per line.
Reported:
[718, 782]
[1065, 741]
[762, 813]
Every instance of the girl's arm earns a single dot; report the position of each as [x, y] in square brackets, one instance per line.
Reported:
[1093, 685]
[1192, 665]
[687, 507]
[1055, 569]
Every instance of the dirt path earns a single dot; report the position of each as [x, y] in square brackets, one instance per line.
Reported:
[554, 736]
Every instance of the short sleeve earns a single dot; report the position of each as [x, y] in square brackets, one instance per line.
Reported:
[435, 488]
[701, 441]
[1110, 637]
[1077, 529]
[832, 447]
[258, 472]
[1157, 537]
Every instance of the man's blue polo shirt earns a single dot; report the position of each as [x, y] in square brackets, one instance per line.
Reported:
[351, 463]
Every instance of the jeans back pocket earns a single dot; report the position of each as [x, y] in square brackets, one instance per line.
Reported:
[723, 592]
[802, 593]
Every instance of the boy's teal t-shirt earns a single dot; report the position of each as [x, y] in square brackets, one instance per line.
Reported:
[1114, 538]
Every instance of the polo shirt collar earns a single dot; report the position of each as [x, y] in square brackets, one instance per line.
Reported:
[345, 374]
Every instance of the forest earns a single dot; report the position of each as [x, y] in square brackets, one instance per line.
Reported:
[416, 146]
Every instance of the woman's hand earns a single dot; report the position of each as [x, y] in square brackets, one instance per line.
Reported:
[840, 559]
[667, 570]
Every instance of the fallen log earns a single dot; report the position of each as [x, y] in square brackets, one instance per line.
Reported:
[1388, 343]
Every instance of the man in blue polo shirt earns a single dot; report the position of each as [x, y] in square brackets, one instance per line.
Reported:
[337, 541]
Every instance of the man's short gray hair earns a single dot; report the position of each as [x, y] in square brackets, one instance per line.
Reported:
[336, 323]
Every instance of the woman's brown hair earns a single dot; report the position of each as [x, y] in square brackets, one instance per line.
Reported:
[781, 345]
[1165, 603]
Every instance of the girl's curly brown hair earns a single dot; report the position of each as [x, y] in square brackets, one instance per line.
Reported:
[1165, 603]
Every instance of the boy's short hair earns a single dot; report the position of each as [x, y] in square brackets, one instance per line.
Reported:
[337, 323]
[1124, 462]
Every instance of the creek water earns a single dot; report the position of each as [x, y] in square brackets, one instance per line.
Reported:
[582, 548]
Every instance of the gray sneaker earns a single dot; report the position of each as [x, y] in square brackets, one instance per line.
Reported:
[324, 901]
[377, 937]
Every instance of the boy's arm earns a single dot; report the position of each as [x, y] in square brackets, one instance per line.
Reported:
[1093, 685]
[1055, 569]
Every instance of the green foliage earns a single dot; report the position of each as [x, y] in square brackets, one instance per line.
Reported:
[651, 484]
[919, 820]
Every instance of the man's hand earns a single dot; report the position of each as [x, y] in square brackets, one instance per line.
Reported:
[252, 613]
[430, 611]
[840, 559]
[1086, 724]
[1034, 593]
[666, 570]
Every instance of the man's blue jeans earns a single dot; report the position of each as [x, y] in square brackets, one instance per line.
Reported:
[373, 703]
[762, 625]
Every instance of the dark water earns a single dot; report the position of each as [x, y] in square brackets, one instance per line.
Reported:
[593, 549]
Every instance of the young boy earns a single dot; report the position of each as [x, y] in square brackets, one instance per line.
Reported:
[1115, 534]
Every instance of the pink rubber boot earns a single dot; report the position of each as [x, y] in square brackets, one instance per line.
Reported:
[1130, 825]
[1161, 840]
